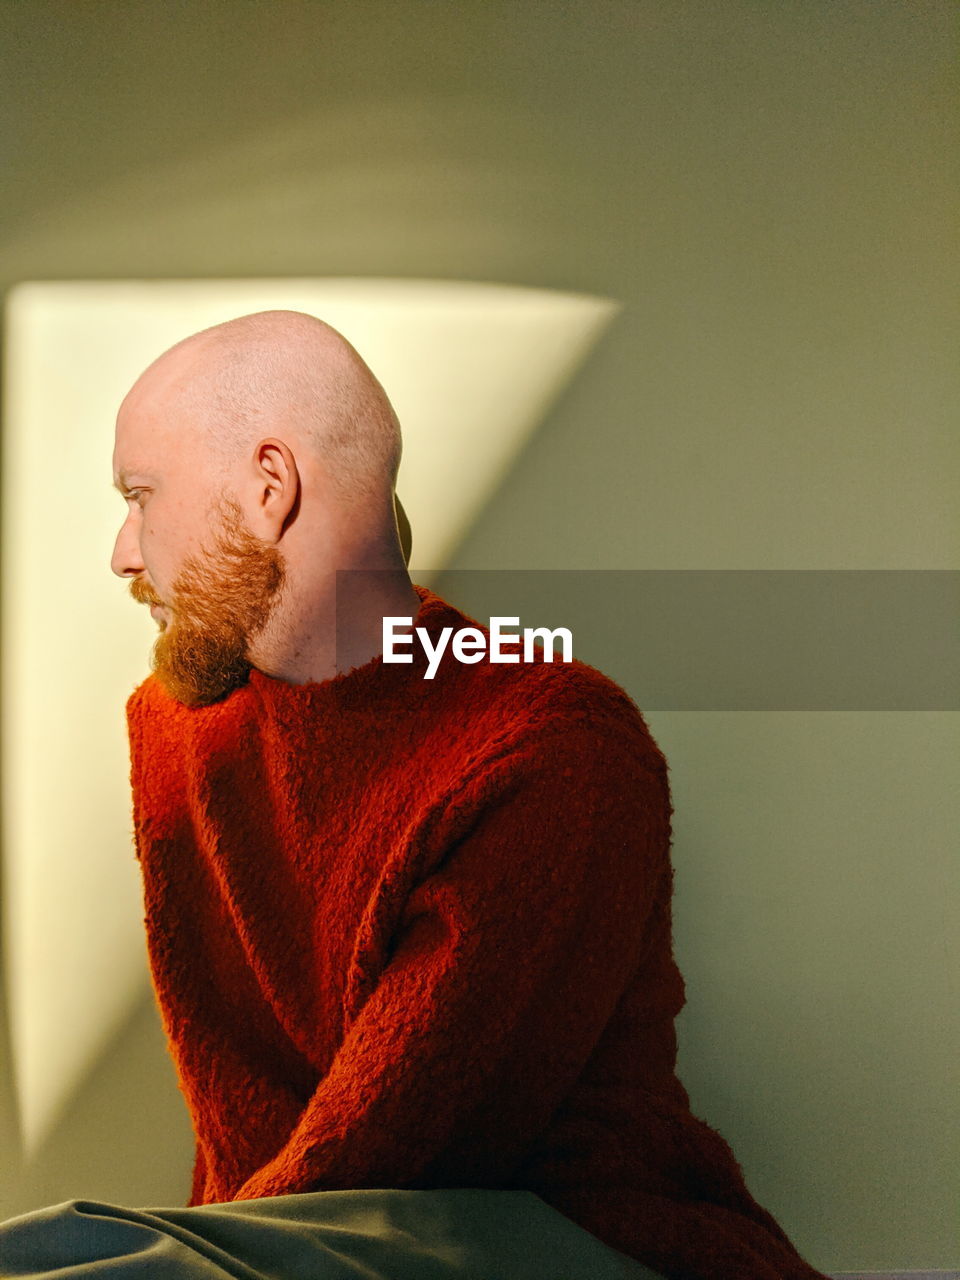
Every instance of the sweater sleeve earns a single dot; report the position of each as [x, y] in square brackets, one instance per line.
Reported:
[508, 960]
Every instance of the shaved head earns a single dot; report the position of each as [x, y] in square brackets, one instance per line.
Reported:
[283, 373]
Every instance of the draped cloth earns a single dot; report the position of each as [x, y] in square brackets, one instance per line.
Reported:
[458, 1234]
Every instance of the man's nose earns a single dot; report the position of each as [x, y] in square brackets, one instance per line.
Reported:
[126, 561]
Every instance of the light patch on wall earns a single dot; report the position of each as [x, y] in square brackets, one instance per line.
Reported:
[470, 368]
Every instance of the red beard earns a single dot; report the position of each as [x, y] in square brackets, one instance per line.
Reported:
[220, 601]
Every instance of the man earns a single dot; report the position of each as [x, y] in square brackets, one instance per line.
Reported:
[410, 939]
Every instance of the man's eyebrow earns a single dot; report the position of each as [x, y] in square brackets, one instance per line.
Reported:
[122, 482]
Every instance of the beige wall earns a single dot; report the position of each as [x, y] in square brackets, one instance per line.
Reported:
[768, 189]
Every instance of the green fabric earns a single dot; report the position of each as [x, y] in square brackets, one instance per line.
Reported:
[449, 1234]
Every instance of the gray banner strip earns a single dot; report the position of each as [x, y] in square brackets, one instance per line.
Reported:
[743, 640]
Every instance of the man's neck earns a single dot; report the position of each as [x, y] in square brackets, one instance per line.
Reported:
[313, 636]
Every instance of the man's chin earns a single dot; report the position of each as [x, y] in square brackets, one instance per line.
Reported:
[197, 675]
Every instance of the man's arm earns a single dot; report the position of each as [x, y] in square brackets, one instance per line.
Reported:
[509, 959]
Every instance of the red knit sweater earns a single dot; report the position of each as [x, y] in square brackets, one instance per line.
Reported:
[416, 933]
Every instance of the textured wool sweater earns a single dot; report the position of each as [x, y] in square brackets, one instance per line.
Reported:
[416, 933]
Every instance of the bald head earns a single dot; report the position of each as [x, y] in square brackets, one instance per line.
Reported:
[282, 373]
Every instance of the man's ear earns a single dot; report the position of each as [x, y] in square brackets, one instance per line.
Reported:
[276, 491]
[403, 527]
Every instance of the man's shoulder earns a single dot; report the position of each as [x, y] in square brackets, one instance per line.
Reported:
[528, 705]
